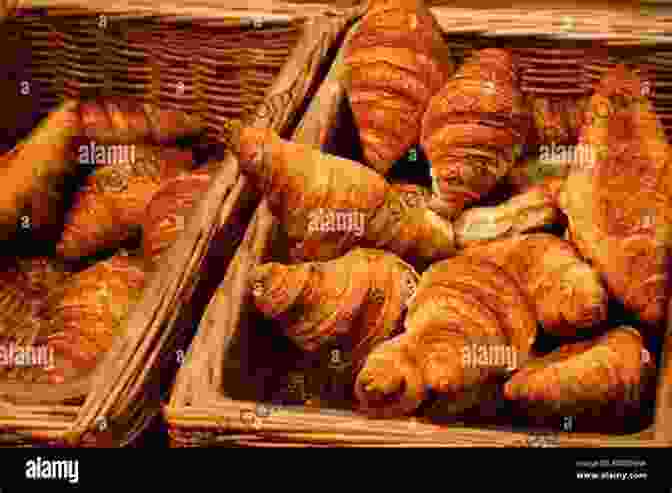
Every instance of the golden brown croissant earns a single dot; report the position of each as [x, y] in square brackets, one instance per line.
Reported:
[461, 310]
[113, 201]
[166, 213]
[526, 212]
[619, 208]
[471, 129]
[397, 60]
[615, 368]
[91, 313]
[329, 204]
[357, 300]
[34, 171]
[566, 292]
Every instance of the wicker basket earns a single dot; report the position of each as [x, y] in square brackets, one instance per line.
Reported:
[126, 391]
[226, 390]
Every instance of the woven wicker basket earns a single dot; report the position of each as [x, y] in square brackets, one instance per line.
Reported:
[278, 59]
[226, 390]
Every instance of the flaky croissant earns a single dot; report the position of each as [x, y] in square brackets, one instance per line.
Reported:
[91, 313]
[34, 171]
[619, 207]
[396, 60]
[113, 201]
[566, 292]
[356, 300]
[471, 128]
[613, 369]
[460, 309]
[329, 204]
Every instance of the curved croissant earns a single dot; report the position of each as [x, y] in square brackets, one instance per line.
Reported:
[35, 168]
[329, 205]
[619, 207]
[471, 128]
[460, 308]
[567, 293]
[397, 60]
[91, 313]
[614, 368]
[165, 215]
[360, 297]
[114, 199]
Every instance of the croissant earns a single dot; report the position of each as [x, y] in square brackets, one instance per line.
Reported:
[471, 129]
[615, 368]
[112, 203]
[357, 300]
[328, 205]
[618, 207]
[165, 215]
[396, 60]
[566, 292]
[91, 313]
[127, 121]
[526, 212]
[33, 171]
[461, 310]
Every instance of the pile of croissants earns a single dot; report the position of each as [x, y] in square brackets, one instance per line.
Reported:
[434, 282]
[421, 285]
[76, 300]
